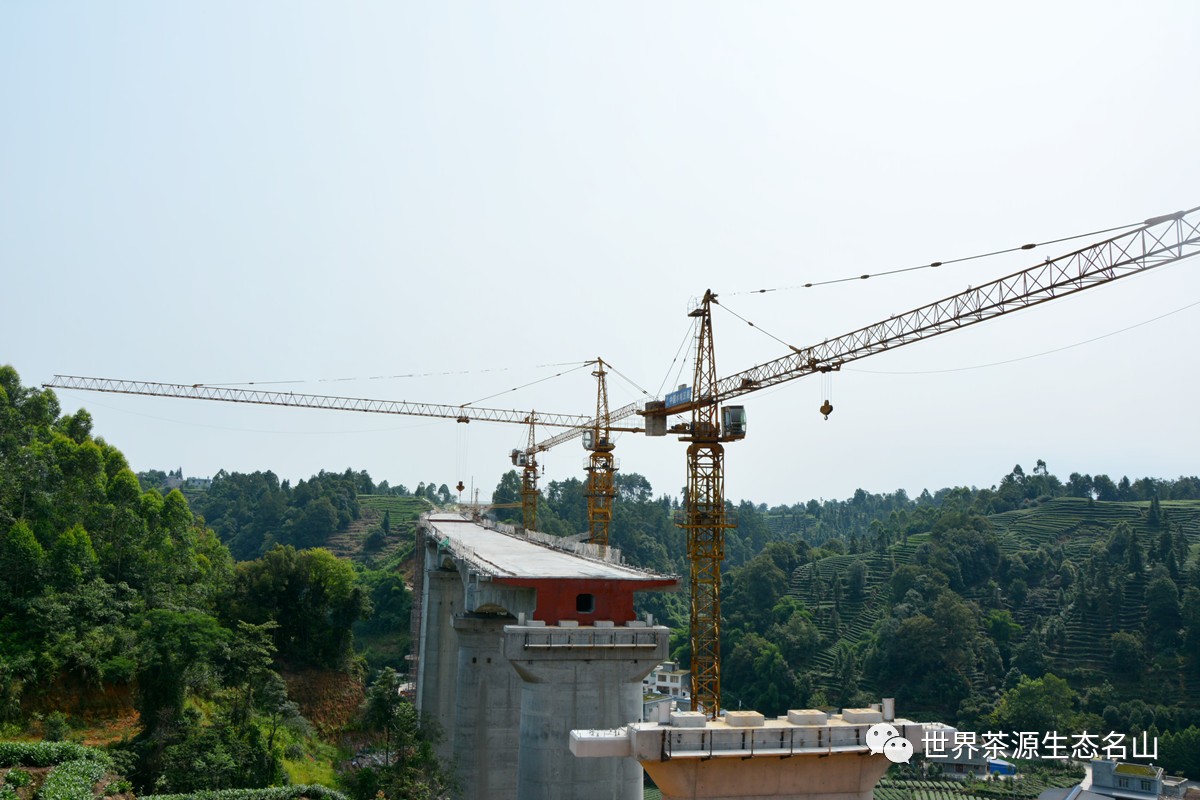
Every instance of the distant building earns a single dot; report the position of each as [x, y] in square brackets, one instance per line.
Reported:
[657, 707]
[1126, 781]
[668, 679]
[1116, 780]
[199, 484]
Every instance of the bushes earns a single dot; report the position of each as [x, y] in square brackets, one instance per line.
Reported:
[313, 792]
[72, 780]
[17, 778]
[46, 754]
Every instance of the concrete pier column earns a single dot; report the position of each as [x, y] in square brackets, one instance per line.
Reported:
[579, 677]
[437, 677]
[488, 710]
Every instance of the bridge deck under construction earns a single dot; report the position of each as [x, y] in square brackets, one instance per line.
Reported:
[506, 555]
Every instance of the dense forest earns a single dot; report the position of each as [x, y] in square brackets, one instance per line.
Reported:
[221, 618]
[114, 598]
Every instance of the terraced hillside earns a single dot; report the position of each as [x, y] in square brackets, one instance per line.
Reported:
[404, 511]
[1078, 637]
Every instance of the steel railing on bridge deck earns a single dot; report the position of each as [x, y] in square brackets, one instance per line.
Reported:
[591, 638]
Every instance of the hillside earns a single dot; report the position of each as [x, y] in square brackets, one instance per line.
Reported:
[1069, 597]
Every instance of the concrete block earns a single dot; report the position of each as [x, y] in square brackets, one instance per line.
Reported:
[861, 716]
[603, 623]
[744, 719]
[601, 744]
[568, 623]
[688, 719]
[807, 716]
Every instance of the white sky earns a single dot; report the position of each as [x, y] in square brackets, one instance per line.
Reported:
[219, 192]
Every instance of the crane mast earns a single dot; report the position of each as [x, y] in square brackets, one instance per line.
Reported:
[601, 465]
[705, 518]
[529, 489]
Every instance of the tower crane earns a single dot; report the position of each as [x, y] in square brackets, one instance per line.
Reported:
[1157, 242]
[529, 474]
[463, 414]
[601, 464]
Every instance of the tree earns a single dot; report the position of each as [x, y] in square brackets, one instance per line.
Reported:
[278, 708]
[387, 520]
[250, 663]
[1127, 653]
[856, 579]
[1040, 704]
[1105, 489]
[313, 596]
[175, 650]
[72, 559]
[381, 709]
[1163, 613]
[21, 562]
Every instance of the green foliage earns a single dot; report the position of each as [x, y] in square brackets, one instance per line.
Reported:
[47, 754]
[55, 726]
[71, 780]
[419, 773]
[254, 512]
[297, 792]
[313, 598]
[1043, 704]
[1180, 752]
[17, 778]
[176, 651]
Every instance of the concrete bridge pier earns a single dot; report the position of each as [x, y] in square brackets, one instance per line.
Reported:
[488, 703]
[438, 667]
[579, 677]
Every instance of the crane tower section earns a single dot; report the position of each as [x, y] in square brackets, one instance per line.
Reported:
[601, 465]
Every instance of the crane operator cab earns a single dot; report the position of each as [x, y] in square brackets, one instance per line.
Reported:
[519, 458]
[733, 422]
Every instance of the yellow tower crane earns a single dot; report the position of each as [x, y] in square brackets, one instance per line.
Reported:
[601, 465]
[1158, 241]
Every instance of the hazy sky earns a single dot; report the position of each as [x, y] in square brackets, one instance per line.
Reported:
[287, 191]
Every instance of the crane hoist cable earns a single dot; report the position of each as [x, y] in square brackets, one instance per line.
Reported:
[527, 385]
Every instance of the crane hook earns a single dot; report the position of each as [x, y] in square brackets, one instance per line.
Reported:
[826, 409]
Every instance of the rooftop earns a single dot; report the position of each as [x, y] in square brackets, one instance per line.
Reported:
[1140, 770]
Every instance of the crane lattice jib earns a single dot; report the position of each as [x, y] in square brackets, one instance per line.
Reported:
[224, 394]
[1161, 241]
[623, 412]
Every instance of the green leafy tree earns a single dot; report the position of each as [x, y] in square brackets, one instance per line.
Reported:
[176, 652]
[1042, 704]
[22, 560]
[72, 559]
[1128, 654]
[312, 596]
